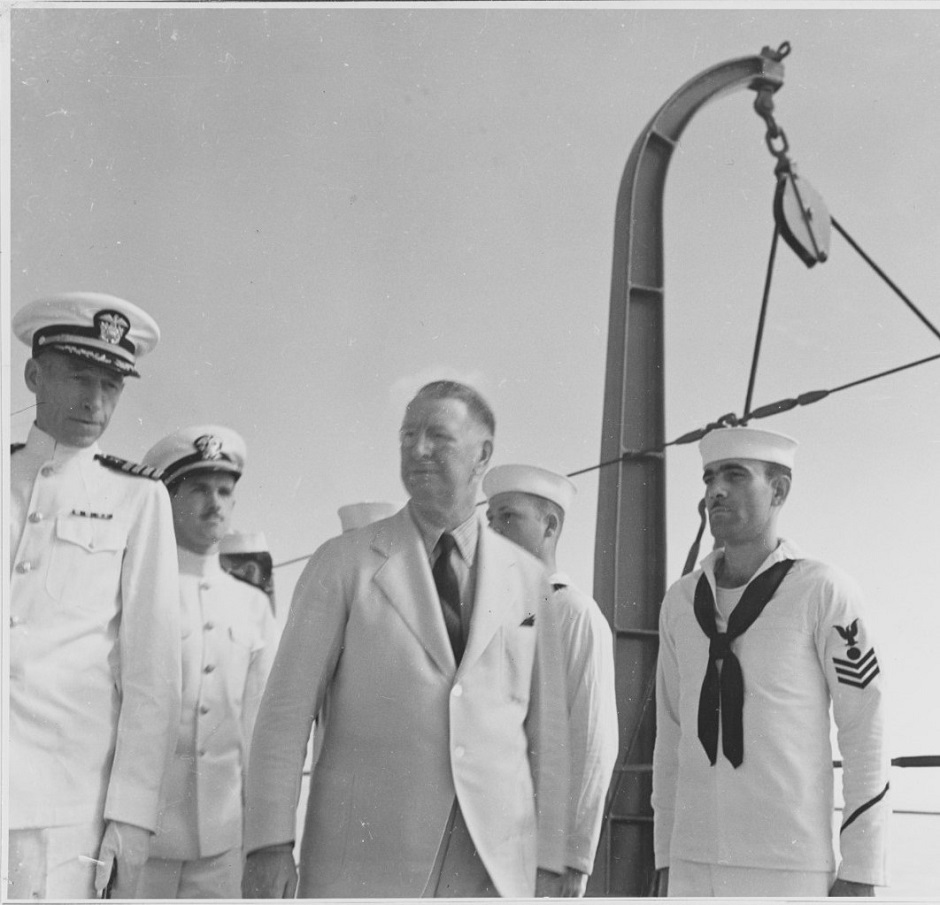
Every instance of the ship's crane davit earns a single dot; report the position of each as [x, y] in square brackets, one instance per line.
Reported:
[630, 545]
[630, 541]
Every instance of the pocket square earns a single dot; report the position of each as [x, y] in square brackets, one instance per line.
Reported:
[529, 620]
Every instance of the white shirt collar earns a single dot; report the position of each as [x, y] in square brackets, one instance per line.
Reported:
[198, 564]
[785, 550]
[43, 445]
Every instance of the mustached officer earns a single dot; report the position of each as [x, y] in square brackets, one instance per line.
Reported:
[229, 638]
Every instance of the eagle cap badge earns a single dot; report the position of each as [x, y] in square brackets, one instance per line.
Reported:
[209, 447]
[111, 326]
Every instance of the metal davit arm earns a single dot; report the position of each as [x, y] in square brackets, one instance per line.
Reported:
[630, 544]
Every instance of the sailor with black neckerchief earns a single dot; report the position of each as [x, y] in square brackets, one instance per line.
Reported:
[94, 663]
[755, 647]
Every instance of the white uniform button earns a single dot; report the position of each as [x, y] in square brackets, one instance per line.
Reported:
[459, 751]
[24, 567]
[204, 585]
[209, 626]
[457, 691]
[203, 710]
[35, 517]
[47, 471]
[208, 669]
[16, 620]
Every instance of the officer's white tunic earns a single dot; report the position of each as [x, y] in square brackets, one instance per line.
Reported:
[592, 715]
[809, 647]
[94, 639]
[229, 639]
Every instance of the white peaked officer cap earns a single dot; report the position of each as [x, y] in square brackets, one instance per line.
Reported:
[244, 542]
[529, 479]
[747, 443]
[358, 515]
[91, 326]
[204, 447]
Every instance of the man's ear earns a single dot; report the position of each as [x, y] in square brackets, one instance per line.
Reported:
[781, 484]
[33, 374]
[551, 524]
[486, 453]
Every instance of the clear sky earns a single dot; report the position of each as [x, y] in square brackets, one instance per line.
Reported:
[324, 207]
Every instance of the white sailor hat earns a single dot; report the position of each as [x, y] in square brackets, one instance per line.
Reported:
[529, 479]
[358, 515]
[204, 447]
[92, 326]
[747, 443]
[244, 542]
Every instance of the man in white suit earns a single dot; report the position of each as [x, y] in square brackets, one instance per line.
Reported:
[441, 771]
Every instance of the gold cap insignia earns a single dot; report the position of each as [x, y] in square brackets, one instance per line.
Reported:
[210, 447]
[111, 326]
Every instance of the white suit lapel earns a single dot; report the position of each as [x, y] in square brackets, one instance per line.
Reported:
[493, 601]
[405, 579]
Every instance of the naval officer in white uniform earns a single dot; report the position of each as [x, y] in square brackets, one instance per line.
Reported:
[94, 663]
[527, 505]
[755, 647]
[229, 638]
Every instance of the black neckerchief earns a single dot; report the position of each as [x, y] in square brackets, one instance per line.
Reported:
[724, 696]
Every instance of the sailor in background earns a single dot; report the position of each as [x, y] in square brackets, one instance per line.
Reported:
[755, 647]
[527, 505]
[229, 640]
[94, 657]
[246, 555]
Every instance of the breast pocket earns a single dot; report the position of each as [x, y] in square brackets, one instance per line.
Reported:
[85, 560]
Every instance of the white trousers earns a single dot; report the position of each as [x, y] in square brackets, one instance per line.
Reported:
[688, 879]
[214, 877]
[54, 862]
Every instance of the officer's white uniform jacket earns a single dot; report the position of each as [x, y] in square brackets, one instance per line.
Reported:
[811, 645]
[592, 715]
[229, 641]
[94, 639]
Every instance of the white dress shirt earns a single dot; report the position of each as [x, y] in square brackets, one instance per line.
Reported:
[592, 715]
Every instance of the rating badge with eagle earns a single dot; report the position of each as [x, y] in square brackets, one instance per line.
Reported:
[857, 669]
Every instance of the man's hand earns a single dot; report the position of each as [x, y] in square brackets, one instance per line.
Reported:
[124, 849]
[573, 883]
[660, 883]
[547, 884]
[270, 873]
[850, 888]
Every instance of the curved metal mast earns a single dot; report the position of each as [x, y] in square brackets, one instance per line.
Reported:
[630, 545]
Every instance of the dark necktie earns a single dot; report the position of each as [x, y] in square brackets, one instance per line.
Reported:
[445, 580]
[725, 695]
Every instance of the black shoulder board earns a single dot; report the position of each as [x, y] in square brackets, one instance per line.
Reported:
[131, 468]
[16, 447]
